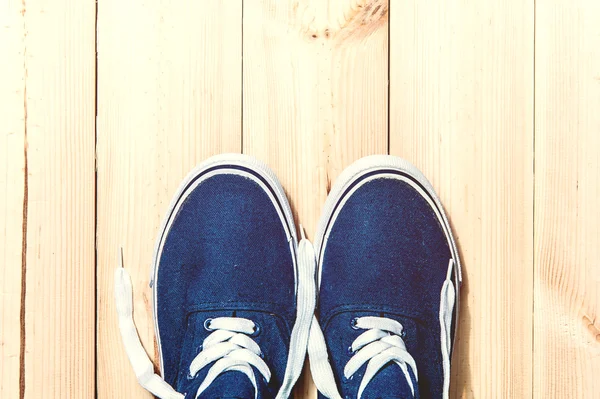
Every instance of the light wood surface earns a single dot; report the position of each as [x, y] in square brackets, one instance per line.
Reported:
[567, 188]
[47, 99]
[169, 96]
[12, 179]
[315, 96]
[497, 102]
[59, 353]
[462, 101]
[315, 91]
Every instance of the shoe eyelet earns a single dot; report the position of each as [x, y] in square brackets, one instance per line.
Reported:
[353, 323]
[207, 324]
[256, 330]
[403, 334]
[350, 351]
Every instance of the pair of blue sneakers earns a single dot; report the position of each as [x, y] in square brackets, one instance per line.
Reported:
[235, 293]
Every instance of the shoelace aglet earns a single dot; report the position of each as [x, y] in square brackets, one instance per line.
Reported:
[302, 235]
[121, 258]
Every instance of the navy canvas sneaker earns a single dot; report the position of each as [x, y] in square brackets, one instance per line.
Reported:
[388, 277]
[233, 291]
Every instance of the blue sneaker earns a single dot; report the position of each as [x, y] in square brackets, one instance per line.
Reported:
[233, 292]
[388, 274]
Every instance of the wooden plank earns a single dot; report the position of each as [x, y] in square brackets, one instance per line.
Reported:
[567, 188]
[315, 95]
[12, 184]
[169, 96]
[59, 198]
[461, 109]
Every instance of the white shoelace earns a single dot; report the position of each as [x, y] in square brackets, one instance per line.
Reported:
[448, 298]
[229, 345]
[142, 366]
[380, 344]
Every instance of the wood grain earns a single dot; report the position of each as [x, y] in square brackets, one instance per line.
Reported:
[309, 97]
[315, 91]
[461, 109]
[59, 104]
[315, 96]
[567, 188]
[12, 187]
[169, 96]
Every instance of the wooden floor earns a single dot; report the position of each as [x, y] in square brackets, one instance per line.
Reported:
[105, 107]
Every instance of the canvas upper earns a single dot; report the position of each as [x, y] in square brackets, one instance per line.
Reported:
[386, 255]
[225, 283]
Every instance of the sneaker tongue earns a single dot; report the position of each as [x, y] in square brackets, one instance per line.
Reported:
[390, 382]
[230, 385]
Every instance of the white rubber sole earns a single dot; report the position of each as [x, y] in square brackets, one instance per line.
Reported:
[282, 205]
